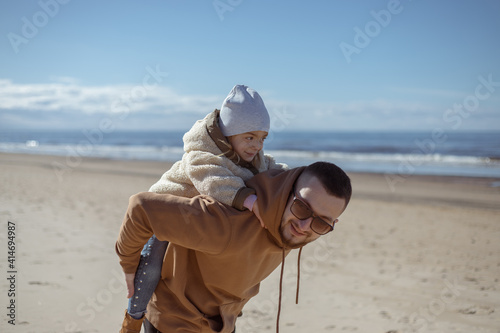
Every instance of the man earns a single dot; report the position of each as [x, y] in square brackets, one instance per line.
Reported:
[218, 255]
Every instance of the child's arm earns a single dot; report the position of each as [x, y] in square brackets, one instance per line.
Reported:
[251, 204]
[217, 177]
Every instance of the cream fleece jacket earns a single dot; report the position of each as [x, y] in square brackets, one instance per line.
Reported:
[205, 167]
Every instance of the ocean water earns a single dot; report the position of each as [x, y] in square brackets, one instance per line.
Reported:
[475, 154]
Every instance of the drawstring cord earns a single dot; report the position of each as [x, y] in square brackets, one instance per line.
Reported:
[281, 289]
[298, 277]
[281, 285]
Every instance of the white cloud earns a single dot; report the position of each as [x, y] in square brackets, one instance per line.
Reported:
[67, 95]
[65, 102]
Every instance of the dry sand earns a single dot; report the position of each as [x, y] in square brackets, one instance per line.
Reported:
[411, 254]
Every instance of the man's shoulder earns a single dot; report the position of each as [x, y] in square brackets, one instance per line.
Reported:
[272, 173]
[275, 176]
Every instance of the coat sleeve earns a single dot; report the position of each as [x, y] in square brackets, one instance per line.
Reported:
[272, 164]
[210, 176]
[198, 223]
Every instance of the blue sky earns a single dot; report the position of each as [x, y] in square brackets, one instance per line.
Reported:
[327, 65]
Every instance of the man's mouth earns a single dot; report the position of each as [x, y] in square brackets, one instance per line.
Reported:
[295, 231]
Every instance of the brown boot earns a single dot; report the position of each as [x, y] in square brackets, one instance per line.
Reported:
[131, 325]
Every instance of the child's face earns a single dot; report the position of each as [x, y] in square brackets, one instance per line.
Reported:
[247, 145]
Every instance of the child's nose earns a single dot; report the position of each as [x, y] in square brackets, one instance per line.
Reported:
[258, 144]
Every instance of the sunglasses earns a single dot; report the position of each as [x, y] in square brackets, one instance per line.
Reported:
[302, 211]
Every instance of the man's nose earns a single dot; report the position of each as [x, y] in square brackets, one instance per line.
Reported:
[305, 225]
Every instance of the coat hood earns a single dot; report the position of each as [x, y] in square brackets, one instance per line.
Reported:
[275, 191]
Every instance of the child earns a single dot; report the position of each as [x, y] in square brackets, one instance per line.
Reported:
[222, 151]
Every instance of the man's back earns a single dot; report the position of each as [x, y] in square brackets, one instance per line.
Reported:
[218, 255]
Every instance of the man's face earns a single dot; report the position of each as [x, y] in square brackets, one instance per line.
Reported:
[295, 232]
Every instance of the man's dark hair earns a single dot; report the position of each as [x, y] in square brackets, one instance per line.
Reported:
[334, 179]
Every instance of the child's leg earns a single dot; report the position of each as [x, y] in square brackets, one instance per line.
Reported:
[147, 276]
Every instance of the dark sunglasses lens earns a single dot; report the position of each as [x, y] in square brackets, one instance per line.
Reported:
[300, 210]
[320, 226]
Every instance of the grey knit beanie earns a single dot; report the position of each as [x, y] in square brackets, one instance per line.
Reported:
[243, 111]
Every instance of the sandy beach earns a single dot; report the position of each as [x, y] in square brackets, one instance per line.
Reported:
[410, 254]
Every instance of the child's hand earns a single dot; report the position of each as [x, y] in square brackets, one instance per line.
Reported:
[255, 210]
[251, 204]
[129, 280]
